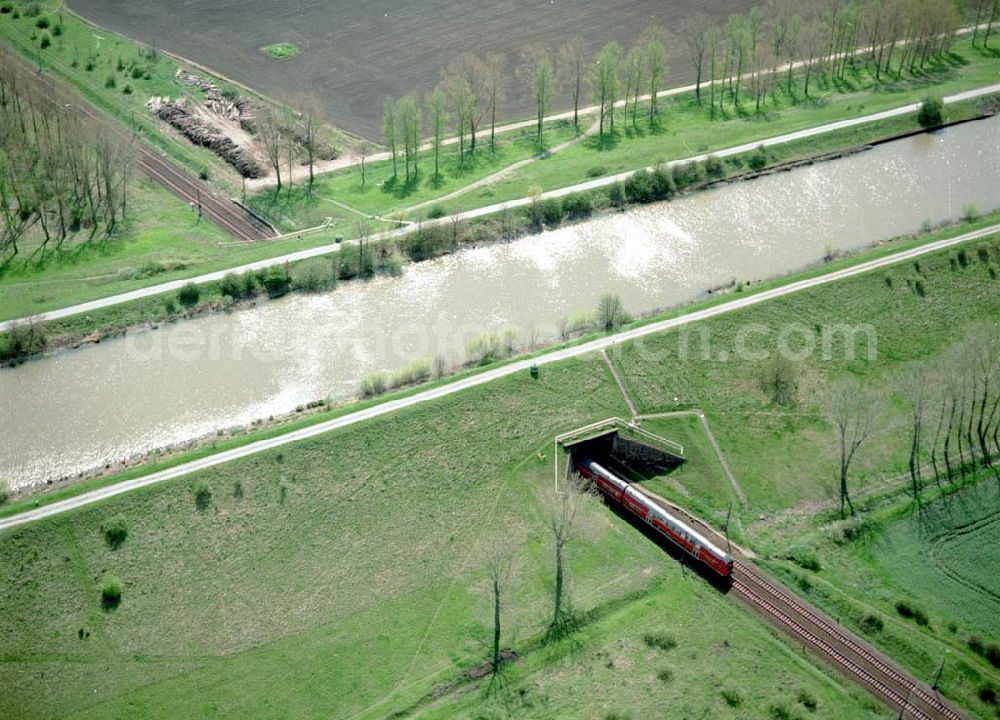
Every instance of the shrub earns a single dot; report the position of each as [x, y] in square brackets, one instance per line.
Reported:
[4, 491]
[597, 171]
[250, 283]
[610, 312]
[189, 295]
[57, 31]
[373, 384]
[484, 349]
[757, 159]
[579, 322]
[42, 23]
[203, 174]
[120, 65]
[714, 168]
[976, 645]
[313, 275]
[908, 611]
[137, 72]
[414, 372]
[780, 712]
[202, 496]
[931, 112]
[963, 258]
[993, 655]
[394, 263]
[988, 694]
[805, 559]
[578, 205]
[46, 41]
[664, 186]
[238, 489]
[275, 281]
[665, 675]
[872, 624]
[970, 213]
[127, 90]
[231, 286]
[552, 212]
[115, 532]
[732, 697]
[983, 253]
[918, 288]
[780, 380]
[6, 8]
[89, 67]
[25, 338]
[616, 195]
[639, 187]
[807, 700]
[111, 593]
[436, 212]
[660, 641]
[110, 82]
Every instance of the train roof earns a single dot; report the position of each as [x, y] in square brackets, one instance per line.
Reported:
[695, 535]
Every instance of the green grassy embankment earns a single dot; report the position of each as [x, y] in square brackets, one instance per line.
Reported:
[341, 575]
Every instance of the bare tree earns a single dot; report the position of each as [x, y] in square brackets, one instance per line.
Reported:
[695, 33]
[466, 78]
[573, 70]
[654, 42]
[914, 387]
[635, 63]
[499, 566]
[462, 103]
[269, 133]
[495, 67]
[851, 411]
[603, 81]
[390, 130]
[309, 122]
[538, 70]
[563, 508]
[438, 119]
[362, 152]
[408, 109]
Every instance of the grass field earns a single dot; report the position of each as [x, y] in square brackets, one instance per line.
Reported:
[267, 599]
[308, 207]
[939, 560]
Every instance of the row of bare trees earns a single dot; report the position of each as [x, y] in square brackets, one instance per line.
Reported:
[954, 409]
[820, 39]
[748, 56]
[62, 174]
[953, 416]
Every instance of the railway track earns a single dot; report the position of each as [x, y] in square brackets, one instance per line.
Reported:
[224, 213]
[901, 692]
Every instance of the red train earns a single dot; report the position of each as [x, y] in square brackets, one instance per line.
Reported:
[689, 540]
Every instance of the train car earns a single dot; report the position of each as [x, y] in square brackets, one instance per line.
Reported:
[689, 540]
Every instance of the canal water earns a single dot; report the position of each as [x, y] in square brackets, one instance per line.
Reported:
[80, 409]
